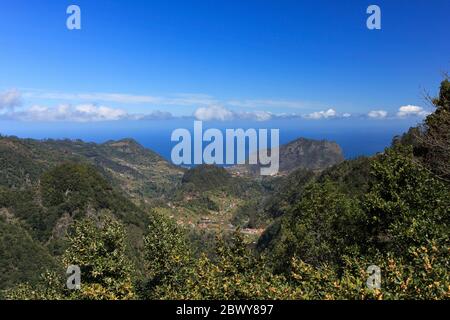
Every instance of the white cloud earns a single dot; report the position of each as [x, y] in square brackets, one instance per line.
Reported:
[377, 114]
[10, 99]
[81, 113]
[223, 114]
[410, 110]
[213, 113]
[180, 99]
[207, 108]
[184, 99]
[64, 112]
[330, 113]
[257, 115]
[99, 113]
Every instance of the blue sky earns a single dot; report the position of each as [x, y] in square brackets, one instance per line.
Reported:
[220, 60]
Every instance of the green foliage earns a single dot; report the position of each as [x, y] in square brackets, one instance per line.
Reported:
[21, 259]
[288, 192]
[49, 287]
[234, 274]
[167, 253]
[436, 137]
[397, 218]
[351, 176]
[24, 205]
[323, 226]
[78, 188]
[212, 192]
[406, 205]
[17, 166]
[128, 166]
[251, 215]
[99, 249]
[420, 274]
[206, 177]
[201, 204]
[68, 193]
[74, 185]
[202, 242]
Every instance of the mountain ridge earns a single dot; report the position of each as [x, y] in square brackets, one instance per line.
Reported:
[140, 172]
[301, 153]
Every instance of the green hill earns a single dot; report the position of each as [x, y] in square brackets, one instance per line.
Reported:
[139, 172]
[300, 154]
[22, 259]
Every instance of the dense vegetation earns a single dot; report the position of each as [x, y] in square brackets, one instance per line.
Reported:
[138, 172]
[326, 228]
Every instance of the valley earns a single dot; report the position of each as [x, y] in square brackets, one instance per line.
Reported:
[140, 226]
[48, 185]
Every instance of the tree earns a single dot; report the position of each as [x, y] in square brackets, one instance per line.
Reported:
[167, 256]
[234, 274]
[98, 248]
[323, 225]
[421, 273]
[406, 205]
[436, 136]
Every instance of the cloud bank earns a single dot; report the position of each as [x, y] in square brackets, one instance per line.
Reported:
[330, 113]
[377, 114]
[208, 109]
[79, 113]
[220, 113]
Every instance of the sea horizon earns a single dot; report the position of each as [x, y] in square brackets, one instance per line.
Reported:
[356, 138]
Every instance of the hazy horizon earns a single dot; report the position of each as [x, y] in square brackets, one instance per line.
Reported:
[364, 138]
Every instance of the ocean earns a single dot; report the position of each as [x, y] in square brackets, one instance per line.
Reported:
[357, 137]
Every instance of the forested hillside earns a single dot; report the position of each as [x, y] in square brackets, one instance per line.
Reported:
[140, 228]
[139, 172]
[300, 154]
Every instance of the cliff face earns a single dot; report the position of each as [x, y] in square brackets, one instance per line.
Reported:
[309, 154]
[300, 154]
